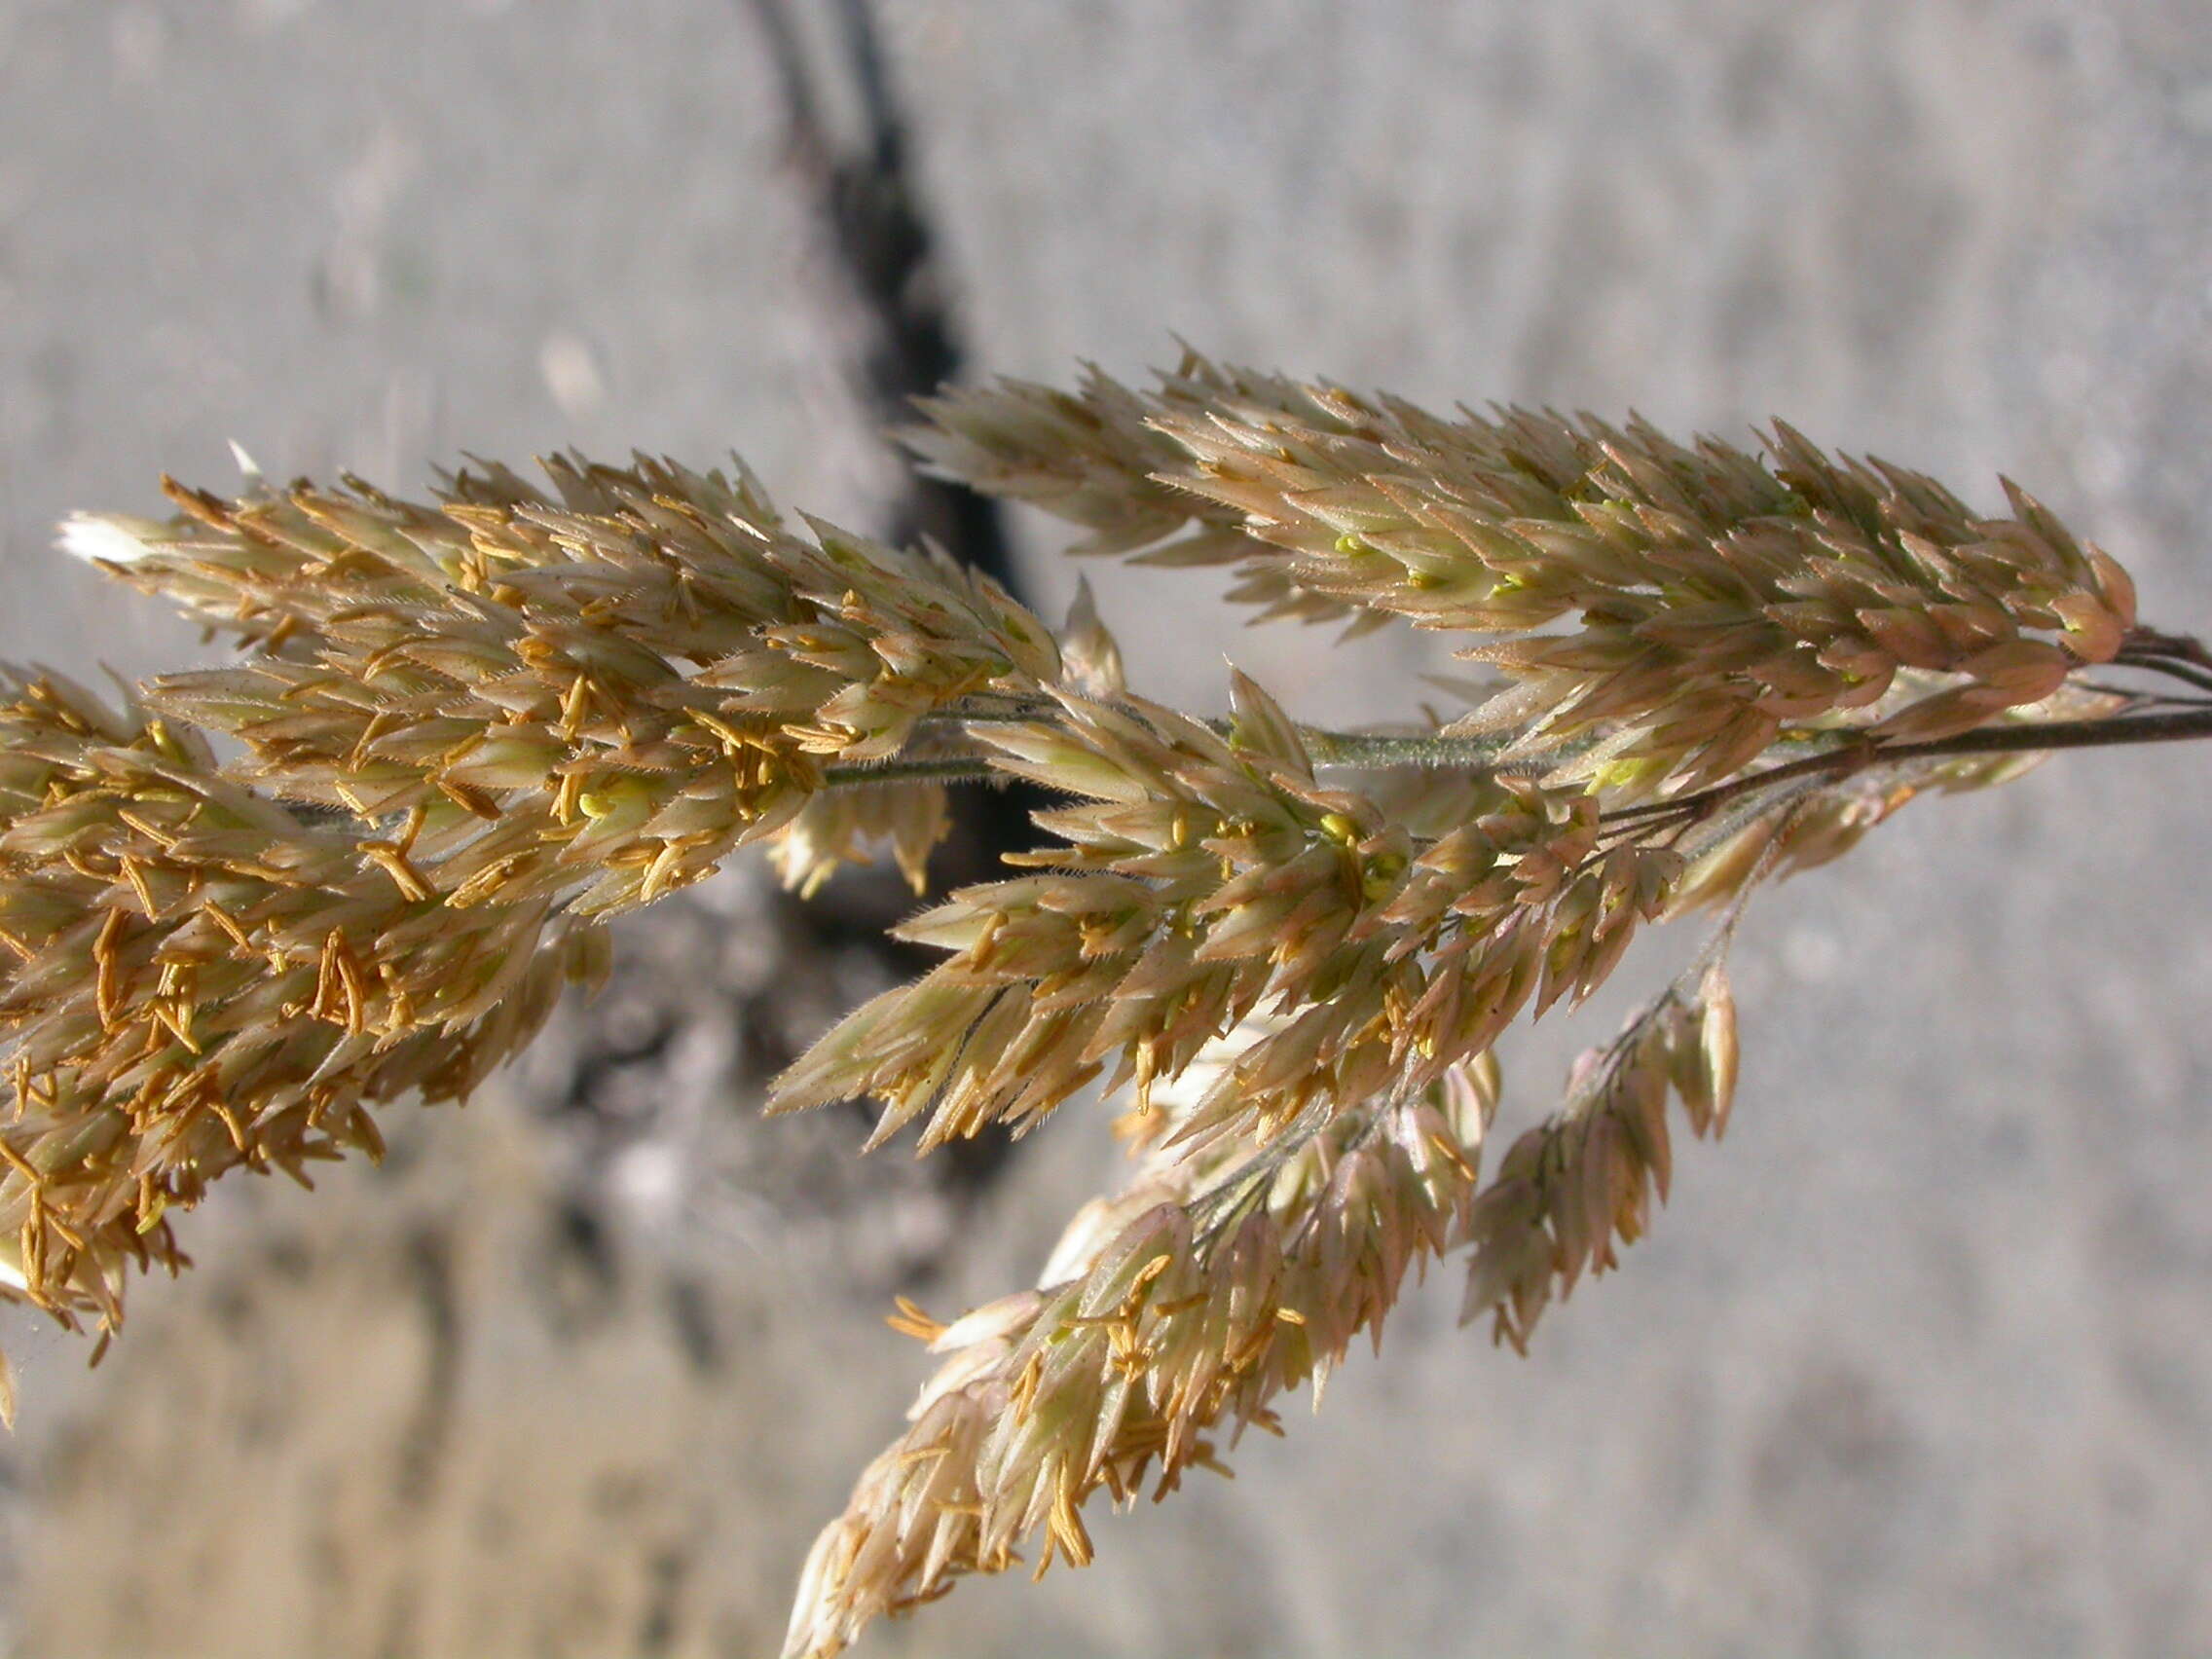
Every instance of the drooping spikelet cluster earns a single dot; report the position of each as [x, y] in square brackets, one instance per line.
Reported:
[474, 729]
[1185, 1306]
[1587, 1174]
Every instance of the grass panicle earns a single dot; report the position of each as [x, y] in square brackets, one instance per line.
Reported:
[361, 862]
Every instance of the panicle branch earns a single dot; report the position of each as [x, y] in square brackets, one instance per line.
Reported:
[472, 731]
[1711, 596]
[648, 662]
[1181, 1308]
[1586, 1175]
[192, 980]
[1208, 878]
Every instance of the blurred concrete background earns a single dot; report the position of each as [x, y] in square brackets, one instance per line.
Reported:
[1920, 1361]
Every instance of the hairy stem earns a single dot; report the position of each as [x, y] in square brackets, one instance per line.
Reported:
[955, 769]
[1848, 758]
[1327, 747]
[1422, 749]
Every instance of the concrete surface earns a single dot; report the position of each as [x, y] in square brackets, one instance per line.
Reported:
[1921, 1360]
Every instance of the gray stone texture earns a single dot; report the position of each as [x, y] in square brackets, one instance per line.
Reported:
[1920, 1361]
